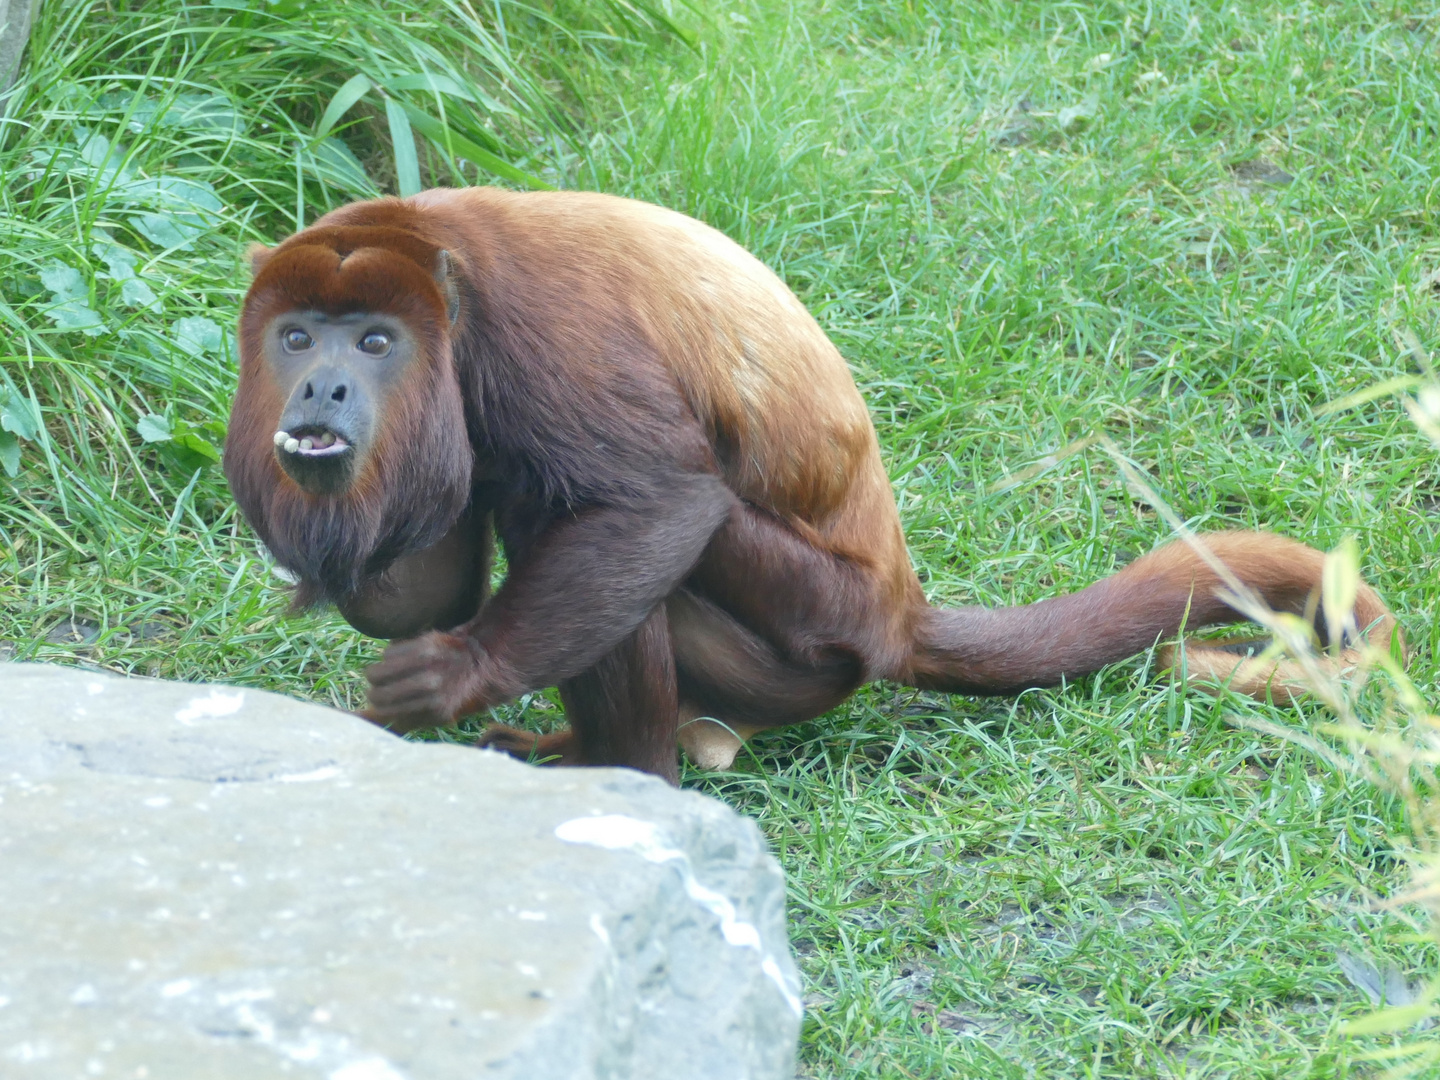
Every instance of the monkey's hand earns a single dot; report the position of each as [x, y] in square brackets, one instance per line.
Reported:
[433, 679]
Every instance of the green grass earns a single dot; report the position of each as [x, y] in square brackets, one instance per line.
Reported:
[1186, 226]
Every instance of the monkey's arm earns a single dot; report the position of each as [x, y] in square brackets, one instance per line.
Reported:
[584, 584]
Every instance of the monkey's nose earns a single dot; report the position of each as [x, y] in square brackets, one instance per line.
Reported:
[323, 385]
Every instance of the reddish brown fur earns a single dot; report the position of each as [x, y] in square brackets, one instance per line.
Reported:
[685, 479]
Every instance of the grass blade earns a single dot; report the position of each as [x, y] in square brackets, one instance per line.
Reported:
[402, 139]
[356, 87]
[454, 143]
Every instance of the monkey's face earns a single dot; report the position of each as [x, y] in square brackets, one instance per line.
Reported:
[347, 445]
[337, 375]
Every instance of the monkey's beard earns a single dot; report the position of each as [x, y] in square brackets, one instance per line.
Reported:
[338, 546]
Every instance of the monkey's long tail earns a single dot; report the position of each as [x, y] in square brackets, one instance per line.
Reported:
[974, 650]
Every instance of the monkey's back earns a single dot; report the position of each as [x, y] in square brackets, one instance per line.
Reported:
[780, 408]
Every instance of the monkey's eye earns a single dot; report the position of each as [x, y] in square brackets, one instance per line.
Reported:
[376, 343]
[296, 340]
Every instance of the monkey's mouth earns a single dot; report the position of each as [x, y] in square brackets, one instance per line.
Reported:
[311, 441]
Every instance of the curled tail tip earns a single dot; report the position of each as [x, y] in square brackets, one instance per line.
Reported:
[1215, 670]
[1279, 679]
[1378, 623]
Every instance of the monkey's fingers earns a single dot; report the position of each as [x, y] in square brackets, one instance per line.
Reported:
[404, 660]
[414, 702]
[426, 680]
[402, 719]
[403, 698]
[393, 687]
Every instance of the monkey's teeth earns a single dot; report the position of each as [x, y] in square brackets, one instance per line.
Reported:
[314, 446]
[281, 438]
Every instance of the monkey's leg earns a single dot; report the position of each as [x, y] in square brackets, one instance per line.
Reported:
[817, 608]
[734, 683]
[624, 710]
[772, 628]
[731, 672]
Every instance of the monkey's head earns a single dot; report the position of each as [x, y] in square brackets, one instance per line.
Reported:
[347, 445]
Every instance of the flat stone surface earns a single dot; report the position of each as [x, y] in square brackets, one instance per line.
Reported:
[209, 882]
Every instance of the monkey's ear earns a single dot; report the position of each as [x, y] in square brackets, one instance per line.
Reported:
[258, 255]
[445, 278]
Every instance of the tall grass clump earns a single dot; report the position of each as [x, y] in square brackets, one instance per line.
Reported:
[1396, 740]
[143, 147]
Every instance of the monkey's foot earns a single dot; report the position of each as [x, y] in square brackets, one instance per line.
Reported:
[713, 745]
[556, 749]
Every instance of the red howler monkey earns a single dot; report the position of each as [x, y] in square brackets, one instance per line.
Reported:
[683, 475]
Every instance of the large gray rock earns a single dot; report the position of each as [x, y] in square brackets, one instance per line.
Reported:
[201, 881]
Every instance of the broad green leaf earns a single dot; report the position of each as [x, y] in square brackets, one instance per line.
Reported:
[402, 139]
[120, 260]
[334, 162]
[64, 281]
[356, 87]
[136, 293]
[105, 160]
[94, 148]
[153, 428]
[192, 111]
[173, 193]
[197, 335]
[447, 139]
[9, 453]
[203, 112]
[169, 230]
[198, 445]
[17, 416]
[73, 315]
